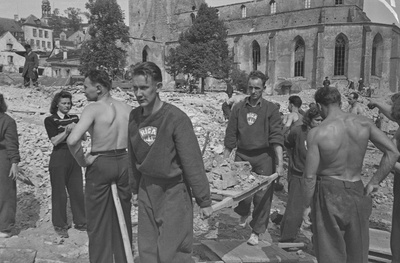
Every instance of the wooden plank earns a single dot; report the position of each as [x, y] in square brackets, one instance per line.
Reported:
[290, 245]
[379, 242]
[231, 193]
[240, 251]
[16, 255]
[379, 259]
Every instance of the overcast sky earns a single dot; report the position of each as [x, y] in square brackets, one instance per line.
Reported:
[374, 9]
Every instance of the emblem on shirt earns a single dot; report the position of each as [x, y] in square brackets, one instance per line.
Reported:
[148, 134]
[251, 118]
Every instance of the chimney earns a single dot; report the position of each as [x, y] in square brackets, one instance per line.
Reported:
[65, 55]
[16, 18]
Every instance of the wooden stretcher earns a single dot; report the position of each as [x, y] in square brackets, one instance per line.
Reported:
[232, 198]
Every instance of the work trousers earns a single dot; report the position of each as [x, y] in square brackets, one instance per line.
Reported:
[340, 215]
[105, 239]
[66, 175]
[395, 234]
[263, 163]
[293, 216]
[27, 81]
[165, 230]
[8, 194]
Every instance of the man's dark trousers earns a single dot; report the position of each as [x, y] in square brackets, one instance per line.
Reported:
[340, 221]
[105, 239]
[395, 234]
[263, 163]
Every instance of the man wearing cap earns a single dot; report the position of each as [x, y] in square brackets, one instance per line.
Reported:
[30, 67]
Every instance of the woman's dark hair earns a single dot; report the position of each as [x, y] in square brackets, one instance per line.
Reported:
[312, 113]
[3, 105]
[60, 95]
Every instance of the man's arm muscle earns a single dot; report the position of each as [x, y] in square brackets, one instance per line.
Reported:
[390, 156]
[75, 136]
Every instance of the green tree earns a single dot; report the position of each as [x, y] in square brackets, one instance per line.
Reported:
[202, 49]
[108, 33]
[74, 18]
[239, 79]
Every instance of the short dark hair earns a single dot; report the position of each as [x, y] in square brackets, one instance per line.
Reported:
[100, 77]
[60, 95]
[26, 46]
[295, 100]
[3, 105]
[355, 95]
[395, 96]
[147, 69]
[312, 113]
[395, 113]
[327, 96]
[256, 74]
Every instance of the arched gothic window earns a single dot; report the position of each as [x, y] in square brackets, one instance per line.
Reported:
[377, 55]
[299, 56]
[256, 54]
[341, 50]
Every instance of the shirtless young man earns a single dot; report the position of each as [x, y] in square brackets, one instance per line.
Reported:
[355, 106]
[341, 205]
[295, 117]
[107, 122]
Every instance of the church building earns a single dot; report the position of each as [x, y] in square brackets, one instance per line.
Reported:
[297, 43]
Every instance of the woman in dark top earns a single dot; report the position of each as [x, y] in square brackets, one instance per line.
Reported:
[65, 173]
[9, 159]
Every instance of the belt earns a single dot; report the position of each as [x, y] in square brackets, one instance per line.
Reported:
[110, 152]
[340, 183]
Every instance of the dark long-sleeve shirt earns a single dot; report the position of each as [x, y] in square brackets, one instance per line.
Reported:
[295, 141]
[164, 146]
[55, 125]
[254, 128]
[9, 138]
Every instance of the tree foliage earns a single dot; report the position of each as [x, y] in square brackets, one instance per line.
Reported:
[108, 33]
[74, 18]
[202, 49]
[239, 79]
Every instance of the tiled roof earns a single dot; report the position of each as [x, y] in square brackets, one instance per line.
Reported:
[34, 21]
[10, 25]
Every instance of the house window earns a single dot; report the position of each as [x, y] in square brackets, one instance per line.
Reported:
[338, 2]
[193, 17]
[40, 33]
[49, 45]
[340, 56]
[43, 44]
[9, 47]
[377, 56]
[256, 54]
[38, 43]
[46, 34]
[273, 6]
[299, 55]
[244, 11]
[307, 3]
[32, 42]
[10, 59]
[34, 32]
[217, 11]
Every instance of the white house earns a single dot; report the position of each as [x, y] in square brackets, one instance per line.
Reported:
[37, 33]
[9, 60]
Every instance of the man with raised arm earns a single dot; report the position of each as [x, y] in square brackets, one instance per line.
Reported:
[106, 119]
[341, 205]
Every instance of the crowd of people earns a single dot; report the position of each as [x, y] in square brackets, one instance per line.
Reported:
[152, 156]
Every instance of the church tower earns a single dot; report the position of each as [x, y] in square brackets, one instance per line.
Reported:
[46, 9]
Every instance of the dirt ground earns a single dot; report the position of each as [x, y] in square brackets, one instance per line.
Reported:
[33, 229]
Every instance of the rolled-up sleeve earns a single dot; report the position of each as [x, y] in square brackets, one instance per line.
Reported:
[275, 127]
[230, 140]
[11, 141]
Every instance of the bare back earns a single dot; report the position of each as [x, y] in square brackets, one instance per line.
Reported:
[342, 143]
[109, 130]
